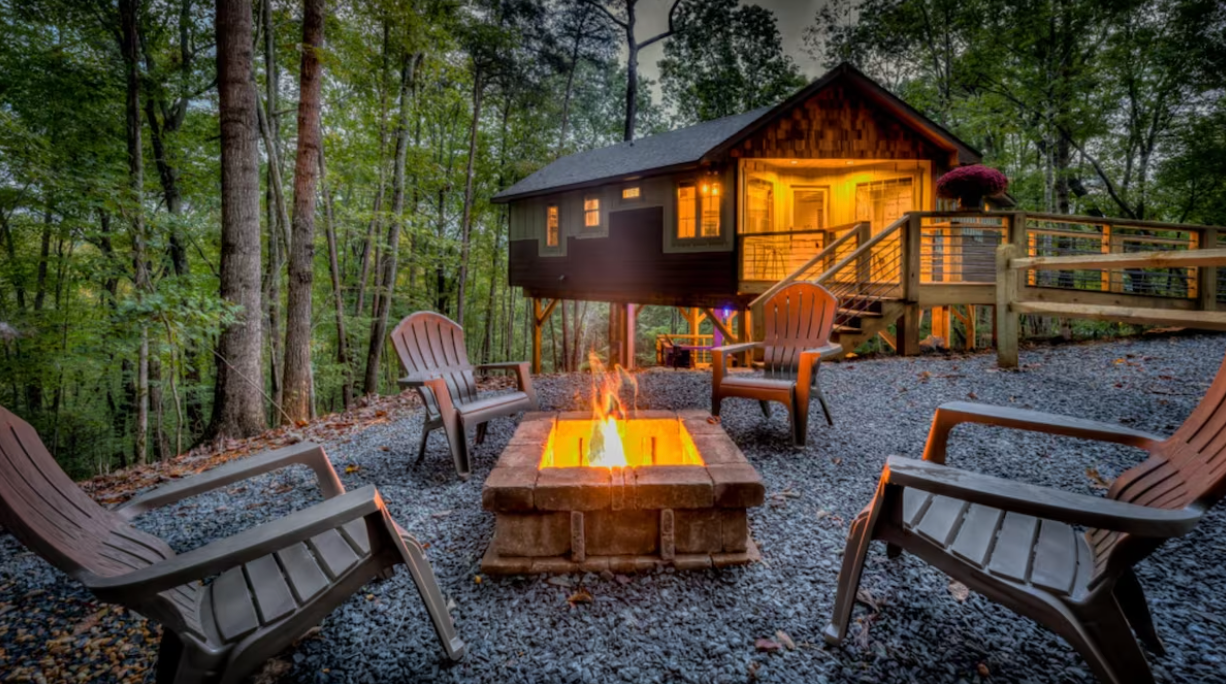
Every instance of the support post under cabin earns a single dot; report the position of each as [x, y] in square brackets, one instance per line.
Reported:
[1006, 317]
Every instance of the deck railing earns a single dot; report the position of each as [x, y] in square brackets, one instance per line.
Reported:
[843, 240]
[1012, 268]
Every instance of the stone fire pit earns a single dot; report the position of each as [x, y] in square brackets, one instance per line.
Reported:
[682, 501]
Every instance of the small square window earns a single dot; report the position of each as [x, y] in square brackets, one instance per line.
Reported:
[591, 212]
[631, 193]
[552, 237]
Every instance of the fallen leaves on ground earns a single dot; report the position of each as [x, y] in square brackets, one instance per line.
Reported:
[272, 672]
[959, 591]
[580, 596]
[765, 645]
[866, 597]
[1097, 481]
[783, 638]
[983, 670]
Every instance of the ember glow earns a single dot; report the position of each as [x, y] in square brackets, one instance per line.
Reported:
[607, 449]
[616, 435]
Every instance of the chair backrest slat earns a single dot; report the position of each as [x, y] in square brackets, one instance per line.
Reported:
[1187, 469]
[46, 510]
[798, 317]
[431, 344]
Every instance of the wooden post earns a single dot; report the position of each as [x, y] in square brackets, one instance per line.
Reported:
[1206, 276]
[539, 318]
[629, 318]
[536, 335]
[743, 333]
[908, 332]
[940, 325]
[1006, 318]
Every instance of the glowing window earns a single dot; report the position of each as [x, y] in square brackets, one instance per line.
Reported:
[591, 212]
[631, 193]
[686, 209]
[710, 209]
[551, 226]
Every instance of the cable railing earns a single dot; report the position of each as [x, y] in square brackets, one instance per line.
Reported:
[869, 275]
[853, 235]
[960, 249]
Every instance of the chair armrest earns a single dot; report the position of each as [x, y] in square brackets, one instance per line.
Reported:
[718, 364]
[306, 453]
[825, 351]
[243, 547]
[1041, 502]
[523, 375]
[735, 348]
[949, 415]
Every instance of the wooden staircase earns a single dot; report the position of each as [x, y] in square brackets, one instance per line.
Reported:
[860, 319]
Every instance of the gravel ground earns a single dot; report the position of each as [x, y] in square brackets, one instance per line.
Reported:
[702, 626]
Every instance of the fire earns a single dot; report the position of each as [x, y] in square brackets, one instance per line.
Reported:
[608, 415]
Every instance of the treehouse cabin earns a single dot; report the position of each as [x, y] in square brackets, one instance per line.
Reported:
[834, 185]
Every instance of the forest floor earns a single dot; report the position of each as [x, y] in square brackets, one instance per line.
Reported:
[758, 623]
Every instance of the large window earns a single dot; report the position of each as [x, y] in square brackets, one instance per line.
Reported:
[698, 209]
[759, 206]
[687, 210]
[552, 237]
[591, 211]
[808, 208]
[710, 209]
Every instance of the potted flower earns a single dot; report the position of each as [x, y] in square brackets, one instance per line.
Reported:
[970, 184]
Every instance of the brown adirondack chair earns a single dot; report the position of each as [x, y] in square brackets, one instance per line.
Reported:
[273, 582]
[799, 319]
[1014, 542]
[432, 353]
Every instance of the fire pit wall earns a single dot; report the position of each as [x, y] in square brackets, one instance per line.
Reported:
[572, 519]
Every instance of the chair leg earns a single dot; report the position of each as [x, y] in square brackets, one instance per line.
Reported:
[893, 551]
[1109, 648]
[1131, 597]
[849, 578]
[766, 408]
[821, 399]
[481, 433]
[800, 416]
[716, 401]
[427, 585]
[425, 438]
[179, 664]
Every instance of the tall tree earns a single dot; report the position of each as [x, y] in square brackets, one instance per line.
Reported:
[726, 60]
[626, 18]
[297, 391]
[238, 409]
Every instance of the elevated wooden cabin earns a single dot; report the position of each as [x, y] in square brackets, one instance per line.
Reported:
[714, 214]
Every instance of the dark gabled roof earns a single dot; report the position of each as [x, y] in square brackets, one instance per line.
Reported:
[681, 147]
[701, 142]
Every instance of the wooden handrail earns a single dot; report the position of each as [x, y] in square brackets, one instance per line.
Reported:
[1118, 222]
[1170, 259]
[777, 233]
[791, 277]
[889, 230]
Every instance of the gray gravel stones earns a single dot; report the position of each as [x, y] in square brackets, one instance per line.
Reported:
[701, 626]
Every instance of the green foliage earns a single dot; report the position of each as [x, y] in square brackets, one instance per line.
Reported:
[725, 60]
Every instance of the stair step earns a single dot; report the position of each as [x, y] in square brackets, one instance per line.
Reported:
[855, 313]
[847, 330]
[868, 298]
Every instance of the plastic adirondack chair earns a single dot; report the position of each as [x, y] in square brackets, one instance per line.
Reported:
[432, 353]
[273, 582]
[1014, 543]
[799, 319]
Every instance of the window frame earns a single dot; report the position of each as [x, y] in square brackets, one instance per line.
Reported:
[698, 238]
[553, 225]
[621, 194]
[599, 210]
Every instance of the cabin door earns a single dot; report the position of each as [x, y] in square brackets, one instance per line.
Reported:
[882, 203]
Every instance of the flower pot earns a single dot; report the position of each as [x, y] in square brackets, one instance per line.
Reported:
[971, 203]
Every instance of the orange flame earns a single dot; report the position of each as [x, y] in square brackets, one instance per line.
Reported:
[607, 449]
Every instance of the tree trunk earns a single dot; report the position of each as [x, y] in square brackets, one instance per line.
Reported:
[373, 228]
[278, 221]
[238, 410]
[130, 47]
[632, 80]
[342, 342]
[467, 216]
[378, 327]
[296, 394]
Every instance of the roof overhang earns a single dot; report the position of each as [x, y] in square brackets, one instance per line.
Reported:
[597, 182]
